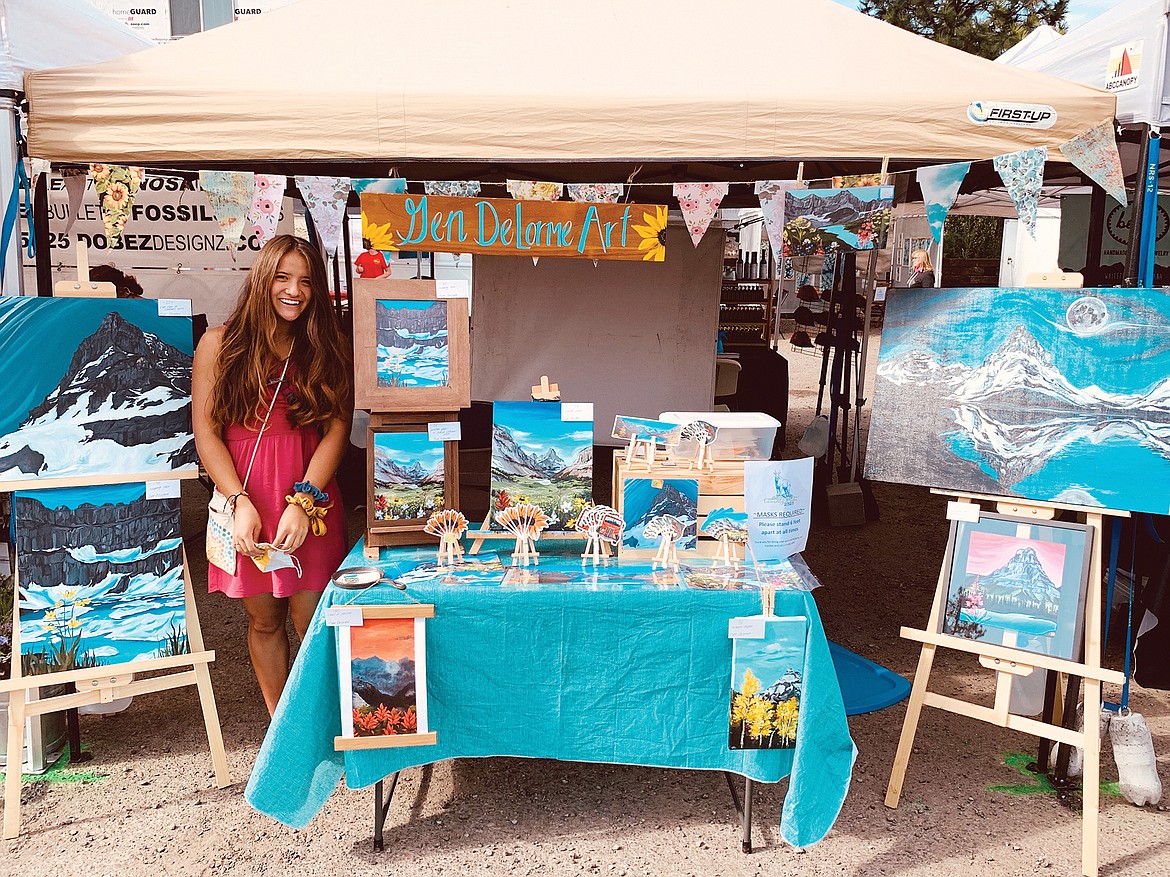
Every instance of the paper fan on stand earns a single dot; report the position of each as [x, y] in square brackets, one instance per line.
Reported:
[729, 527]
[526, 522]
[449, 525]
[668, 529]
[604, 526]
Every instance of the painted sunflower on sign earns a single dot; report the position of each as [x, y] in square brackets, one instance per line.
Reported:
[653, 235]
[379, 236]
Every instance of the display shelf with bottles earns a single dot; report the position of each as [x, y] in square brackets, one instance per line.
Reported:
[746, 300]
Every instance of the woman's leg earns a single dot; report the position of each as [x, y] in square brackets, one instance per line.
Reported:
[268, 644]
[301, 606]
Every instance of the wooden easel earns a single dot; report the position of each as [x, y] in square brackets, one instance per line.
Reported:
[104, 685]
[83, 287]
[1008, 662]
[546, 392]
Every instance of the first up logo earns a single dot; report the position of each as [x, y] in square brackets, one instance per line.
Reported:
[1010, 115]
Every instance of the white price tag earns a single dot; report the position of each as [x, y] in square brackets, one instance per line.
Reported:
[962, 511]
[343, 616]
[174, 307]
[455, 288]
[162, 489]
[576, 411]
[448, 431]
[746, 628]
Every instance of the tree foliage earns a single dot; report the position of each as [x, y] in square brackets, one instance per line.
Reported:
[987, 28]
[972, 237]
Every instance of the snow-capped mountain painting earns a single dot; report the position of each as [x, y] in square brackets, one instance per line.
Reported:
[409, 476]
[94, 388]
[101, 576]
[767, 676]
[382, 666]
[541, 458]
[1058, 395]
[1018, 584]
[644, 499]
[817, 219]
[412, 343]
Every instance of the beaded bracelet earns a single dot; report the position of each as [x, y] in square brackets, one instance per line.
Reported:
[317, 493]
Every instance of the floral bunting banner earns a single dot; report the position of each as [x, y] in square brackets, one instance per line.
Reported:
[699, 202]
[534, 190]
[597, 193]
[382, 185]
[325, 199]
[230, 195]
[117, 187]
[452, 188]
[74, 179]
[1023, 174]
[940, 186]
[1095, 154]
[264, 213]
[771, 194]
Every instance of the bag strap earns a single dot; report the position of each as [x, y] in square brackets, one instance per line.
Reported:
[267, 415]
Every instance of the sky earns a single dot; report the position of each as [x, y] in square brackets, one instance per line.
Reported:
[1079, 11]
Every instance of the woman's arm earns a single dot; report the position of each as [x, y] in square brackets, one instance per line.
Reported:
[209, 443]
[294, 523]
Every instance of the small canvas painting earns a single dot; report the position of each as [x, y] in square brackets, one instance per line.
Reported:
[409, 476]
[816, 220]
[767, 676]
[644, 499]
[383, 677]
[540, 458]
[412, 343]
[100, 576]
[94, 388]
[1017, 584]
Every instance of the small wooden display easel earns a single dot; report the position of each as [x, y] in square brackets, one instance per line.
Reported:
[104, 685]
[1008, 662]
[83, 287]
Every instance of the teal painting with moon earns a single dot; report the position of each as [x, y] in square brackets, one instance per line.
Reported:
[1057, 395]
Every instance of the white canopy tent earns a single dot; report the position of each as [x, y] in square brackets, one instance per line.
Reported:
[530, 81]
[38, 34]
[1037, 39]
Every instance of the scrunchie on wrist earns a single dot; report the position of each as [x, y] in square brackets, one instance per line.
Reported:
[315, 513]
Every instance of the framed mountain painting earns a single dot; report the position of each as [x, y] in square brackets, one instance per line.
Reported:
[96, 391]
[412, 349]
[409, 478]
[1018, 583]
[767, 677]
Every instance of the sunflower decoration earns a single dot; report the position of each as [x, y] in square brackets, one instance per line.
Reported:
[379, 236]
[653, 234]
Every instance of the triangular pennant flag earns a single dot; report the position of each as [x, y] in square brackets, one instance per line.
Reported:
[699, 202]
[117, 187]
[771, 194]
[1095, 155]
[325, 199]
[264, 212]
[535, 190]
[453, 188]
[595, 193]
[1023, 174]
[940, 186]
[230, 195]
[380, 185]
[38, 166]
[74, 179]
[535, 260]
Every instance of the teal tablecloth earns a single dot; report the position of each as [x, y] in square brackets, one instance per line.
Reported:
[612, 673]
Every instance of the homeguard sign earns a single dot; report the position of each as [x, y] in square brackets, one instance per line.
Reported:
[503, 227]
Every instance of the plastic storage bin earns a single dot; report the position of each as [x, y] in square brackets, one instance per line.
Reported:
[743, 435]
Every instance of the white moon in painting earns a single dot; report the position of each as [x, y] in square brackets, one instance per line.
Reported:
[1087, 315]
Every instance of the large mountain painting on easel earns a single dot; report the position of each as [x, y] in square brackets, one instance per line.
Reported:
[539, 457]
[95, 389]
[1056, 395]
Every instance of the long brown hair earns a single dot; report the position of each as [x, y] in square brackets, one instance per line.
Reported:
[320, 374]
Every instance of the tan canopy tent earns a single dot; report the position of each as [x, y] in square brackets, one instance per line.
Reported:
[738, 85]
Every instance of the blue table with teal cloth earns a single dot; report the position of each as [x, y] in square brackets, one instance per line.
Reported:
[607, 667]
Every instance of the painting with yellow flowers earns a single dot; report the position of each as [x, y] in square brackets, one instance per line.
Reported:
[99, 576]
[767, 676]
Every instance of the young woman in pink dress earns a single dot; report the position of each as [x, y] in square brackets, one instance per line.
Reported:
[284, 324]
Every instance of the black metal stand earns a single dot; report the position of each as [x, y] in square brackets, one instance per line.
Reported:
[744, 808]
[73, 726]
[381, 808]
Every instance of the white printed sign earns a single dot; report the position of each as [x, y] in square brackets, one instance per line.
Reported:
[150, 19]
[778, 501]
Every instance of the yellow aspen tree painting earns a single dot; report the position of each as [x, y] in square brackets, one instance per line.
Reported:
[766, 680]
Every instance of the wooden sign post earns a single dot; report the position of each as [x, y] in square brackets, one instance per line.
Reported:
[1009, 662]
[104, 685]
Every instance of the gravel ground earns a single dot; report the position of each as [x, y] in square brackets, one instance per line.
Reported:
[146, 804]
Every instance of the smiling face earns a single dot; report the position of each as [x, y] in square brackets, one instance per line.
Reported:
[292, 287]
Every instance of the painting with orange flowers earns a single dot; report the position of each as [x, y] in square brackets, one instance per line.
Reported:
[382, 664]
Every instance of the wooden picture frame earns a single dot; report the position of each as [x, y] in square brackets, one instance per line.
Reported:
[423, 376]
[391, 643]
[1017, 583]
[410, 453]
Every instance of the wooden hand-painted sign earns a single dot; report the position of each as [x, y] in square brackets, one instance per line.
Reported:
[503, 227]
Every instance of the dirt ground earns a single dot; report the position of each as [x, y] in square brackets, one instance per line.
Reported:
[146, 804]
